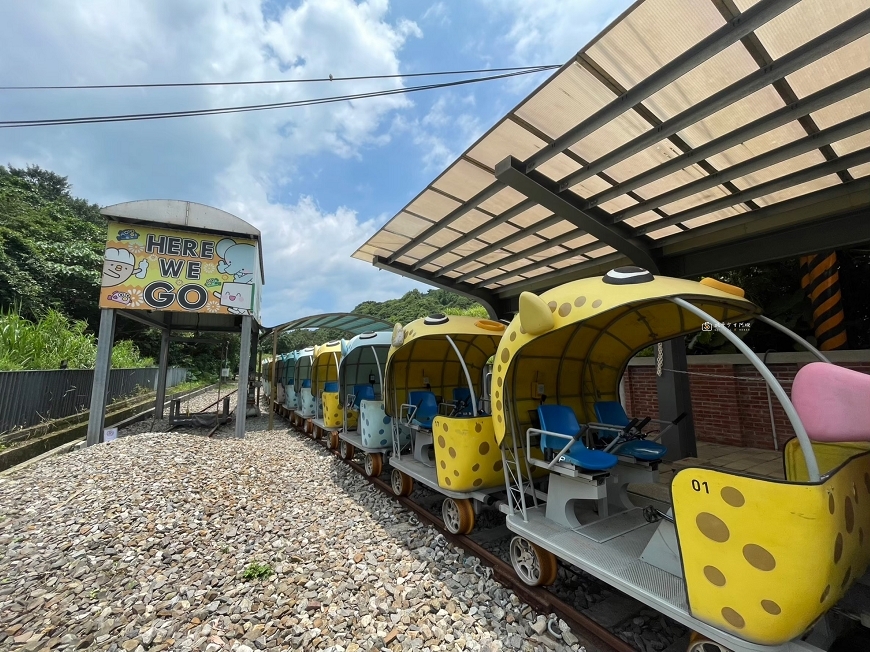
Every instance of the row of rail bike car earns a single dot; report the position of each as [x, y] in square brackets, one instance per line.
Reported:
[526, 418]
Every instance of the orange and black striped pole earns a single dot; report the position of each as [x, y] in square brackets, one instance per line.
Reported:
[821, 282]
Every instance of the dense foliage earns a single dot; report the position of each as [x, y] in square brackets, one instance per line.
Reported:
[56, 341]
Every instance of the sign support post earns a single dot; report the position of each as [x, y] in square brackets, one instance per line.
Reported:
[244, 368]
[163, 366]
[99, 392]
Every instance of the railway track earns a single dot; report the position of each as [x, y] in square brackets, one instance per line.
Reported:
[638, 628]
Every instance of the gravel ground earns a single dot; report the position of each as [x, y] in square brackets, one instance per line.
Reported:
[195, 404]
[153, 542]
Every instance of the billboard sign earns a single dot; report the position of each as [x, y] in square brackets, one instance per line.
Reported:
[149, 268]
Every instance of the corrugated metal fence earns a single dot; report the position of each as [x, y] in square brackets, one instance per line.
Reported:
[28, 398]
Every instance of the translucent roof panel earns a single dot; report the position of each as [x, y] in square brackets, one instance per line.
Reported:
[624, 143]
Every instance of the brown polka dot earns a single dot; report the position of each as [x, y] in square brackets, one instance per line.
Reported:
[564, 309]
[579, 301]
[838, 547]
[478, 482]
[846, 578]
[505, 355]
[714, 575]
[447, 480]
[496, 393]
[850, 516]
[477, 427]
[456, 473]
[522, 330]
[443, 464]
[475, 467]
[441, 441]
[446, 428]
[497, 466]
[771, 607]
[825, 593]
[498, 405]
[483, 449]
[499, 368]
[513, 336]
[552, 306]
[831, 503]
[732, 496]
[498, 416]
[734, 619]
[500, 381]
[452, 452]
[712, 527]
[596, 303]
[759, 557]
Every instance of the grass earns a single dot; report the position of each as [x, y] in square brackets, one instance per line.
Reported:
[257, 571]
[54, 339]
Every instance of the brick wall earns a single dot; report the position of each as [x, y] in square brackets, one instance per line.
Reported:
[729, 399]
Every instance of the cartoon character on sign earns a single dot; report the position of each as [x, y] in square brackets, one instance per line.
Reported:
[238, 260]
[119, 265]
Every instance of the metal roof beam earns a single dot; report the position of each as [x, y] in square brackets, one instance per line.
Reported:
[821, 235]
[542, 190]
[447, 220]
[500, 244]
[782, 183]
[471, 235]
[822, 45]
[486, 298]
[725, 36]
[795, 148]
[818, 100]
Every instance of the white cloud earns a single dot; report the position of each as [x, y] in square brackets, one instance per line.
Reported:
[242, 162]
[437, 13]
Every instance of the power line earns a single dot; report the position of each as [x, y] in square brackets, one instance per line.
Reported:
[47, 122]
[276, 81]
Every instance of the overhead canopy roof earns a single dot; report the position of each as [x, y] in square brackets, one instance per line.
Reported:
[690, 136]
[345, 321]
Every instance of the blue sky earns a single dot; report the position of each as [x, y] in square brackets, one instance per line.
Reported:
[317, 181]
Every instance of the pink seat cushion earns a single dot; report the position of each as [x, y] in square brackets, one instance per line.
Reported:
[833, 402]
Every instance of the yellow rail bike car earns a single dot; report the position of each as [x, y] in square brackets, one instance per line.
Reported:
[324, 386]
[435, 379]
[747, 562]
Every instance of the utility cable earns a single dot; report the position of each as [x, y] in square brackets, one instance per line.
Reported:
[275, 81]
[45, 122]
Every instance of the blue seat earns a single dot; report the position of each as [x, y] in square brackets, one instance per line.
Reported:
[306, 383]
[462, 394]
[427, 408]
[331, 386]
[289, 383]
[613, 414]
[561, 419]
[363, 393]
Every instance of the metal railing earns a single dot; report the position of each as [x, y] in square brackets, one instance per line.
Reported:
[28, 398]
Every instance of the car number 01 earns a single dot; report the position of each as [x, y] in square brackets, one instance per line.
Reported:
[697, 486]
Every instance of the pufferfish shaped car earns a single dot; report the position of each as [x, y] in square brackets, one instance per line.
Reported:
[305, 397]
[287, 380]
[324, 386]
[366, 427]
[436, 380]
[747, 562]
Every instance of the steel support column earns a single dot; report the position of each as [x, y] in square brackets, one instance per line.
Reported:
[244, 368]
[273, 394]
[672, 387]
[162, 367]
[97, 416]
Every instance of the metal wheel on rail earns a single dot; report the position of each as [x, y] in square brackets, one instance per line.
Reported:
[318, 433]
[532, 564]
[402, 483]
[374, 464]
[458, 515]
[700, 643]
[332, 444]
[346, 450]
